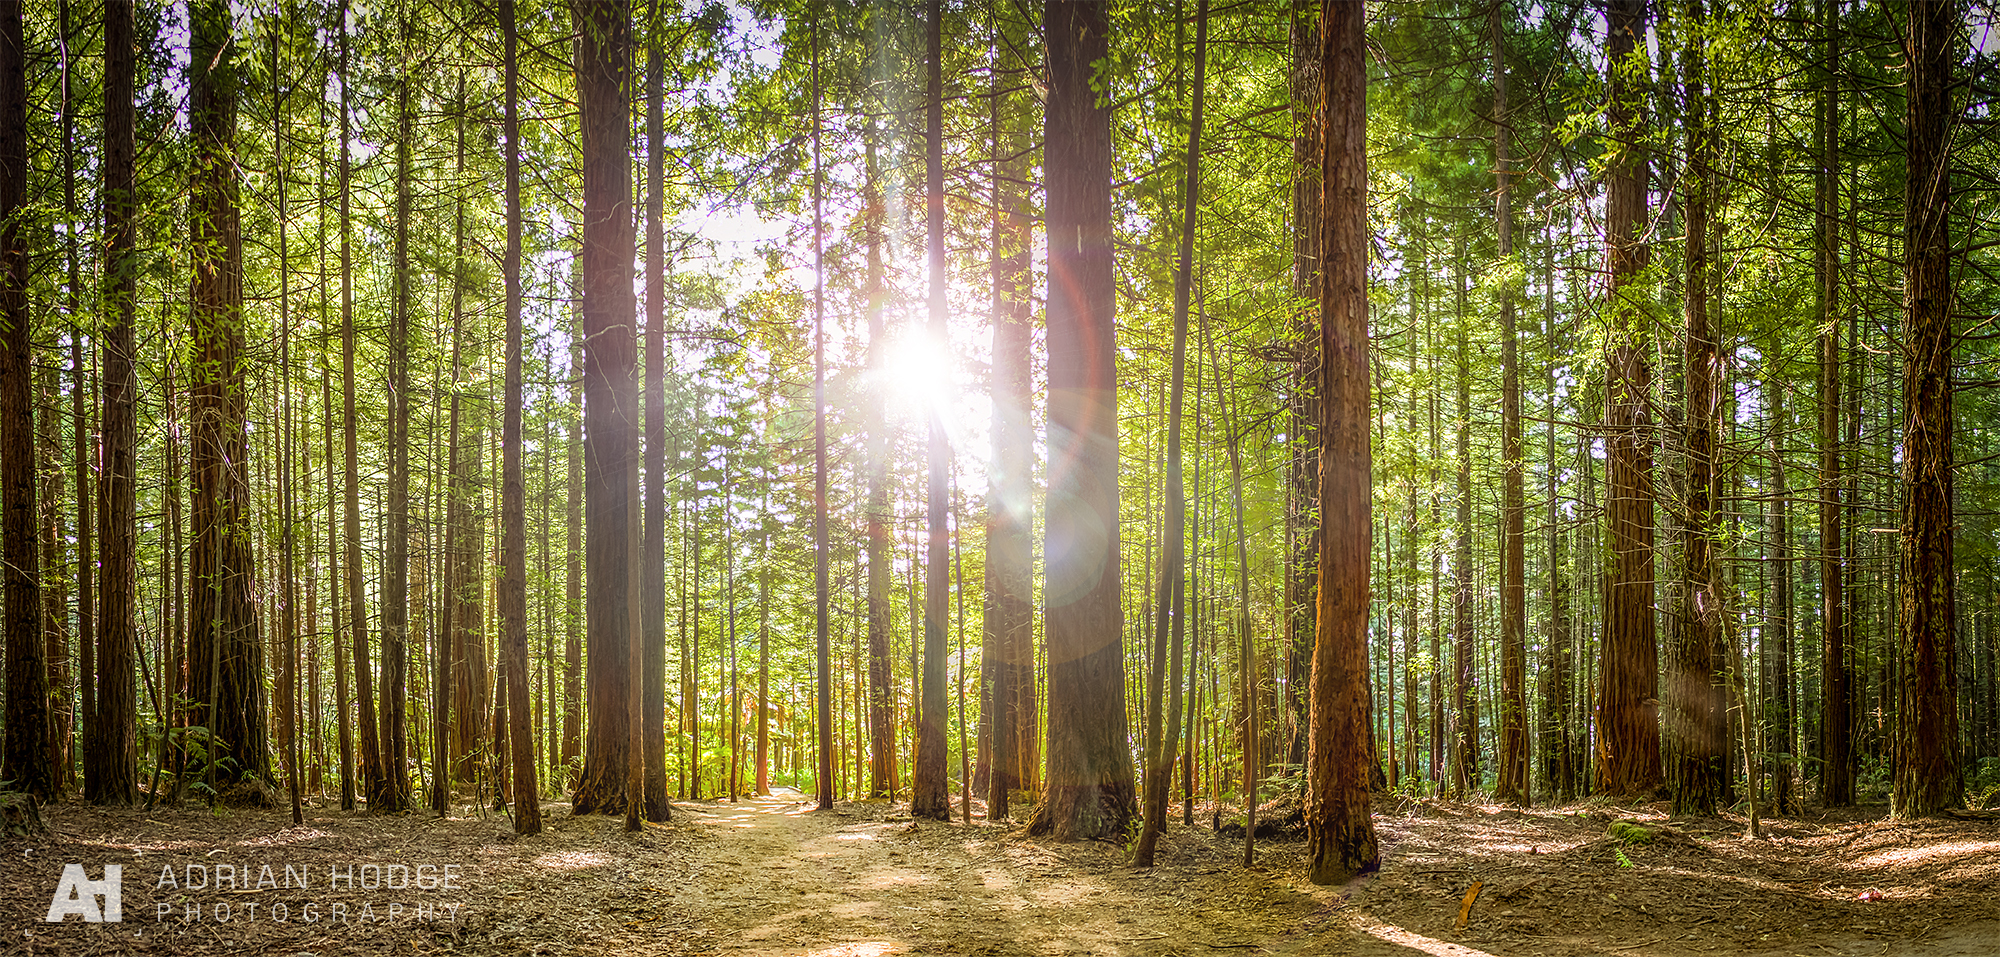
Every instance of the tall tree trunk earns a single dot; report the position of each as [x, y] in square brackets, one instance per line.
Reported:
[1836, 697]
[1558, 743]
[653, 568]
[1698, 715]
[81, 440]
[1628, 726]
[392, 786]
[357, 610]
[1927, 776]
[1090, 785]
[1302, 473]
[1465, 775]
[1339, 831]
[514, 502]
[28, 760]
[1169, 618]
[572, 725]
[1008, 622]
[111, 769]
[930, 788]
[227, 656]
[612, 772]
[881, 673]
[823, 653]
[1511, 784]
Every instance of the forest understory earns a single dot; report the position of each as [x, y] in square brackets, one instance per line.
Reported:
[770, 876]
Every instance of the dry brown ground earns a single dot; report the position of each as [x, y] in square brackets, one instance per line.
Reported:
[771, 877]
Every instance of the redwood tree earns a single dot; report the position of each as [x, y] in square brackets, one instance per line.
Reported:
[1928, 778]
[610, 405]
[1628, 725]
[1340, 831]
[29, 758]
[1089, 788]
[111, 751]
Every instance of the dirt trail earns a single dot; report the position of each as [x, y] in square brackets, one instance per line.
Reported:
[780, 879]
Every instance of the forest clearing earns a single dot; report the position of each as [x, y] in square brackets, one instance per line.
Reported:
[854, 477]
[772, 877]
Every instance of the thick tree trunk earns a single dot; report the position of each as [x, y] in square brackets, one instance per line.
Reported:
[611, 411]
[111, 770]
[227, 655]
[1697, 697]
[1928, 777]
[1628, 726]
[1090, 781]
[28, 760]
[1340, 832]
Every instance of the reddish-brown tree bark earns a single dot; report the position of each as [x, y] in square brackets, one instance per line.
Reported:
[1928, 776]
[1628, 722]
[1339, 827]
[611, 768]
[1090, 782]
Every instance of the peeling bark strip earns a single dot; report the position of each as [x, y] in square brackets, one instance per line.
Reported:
[1340, 833]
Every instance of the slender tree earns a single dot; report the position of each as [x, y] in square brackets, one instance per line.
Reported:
[111, 765]
[357, 610]
[653, 567]
[1169, 618]
[930, 794]
[1836, 718]
[390, 792]
[1511, 784]
[822, 652]
[514, 501]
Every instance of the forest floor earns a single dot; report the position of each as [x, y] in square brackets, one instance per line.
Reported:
[769, 876]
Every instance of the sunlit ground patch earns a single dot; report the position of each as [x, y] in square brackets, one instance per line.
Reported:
[572, 860]
[873, 948]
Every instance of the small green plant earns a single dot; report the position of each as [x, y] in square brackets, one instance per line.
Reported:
[1623, 861]
[1629, 833]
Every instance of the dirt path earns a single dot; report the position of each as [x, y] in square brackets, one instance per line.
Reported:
[780, 879]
